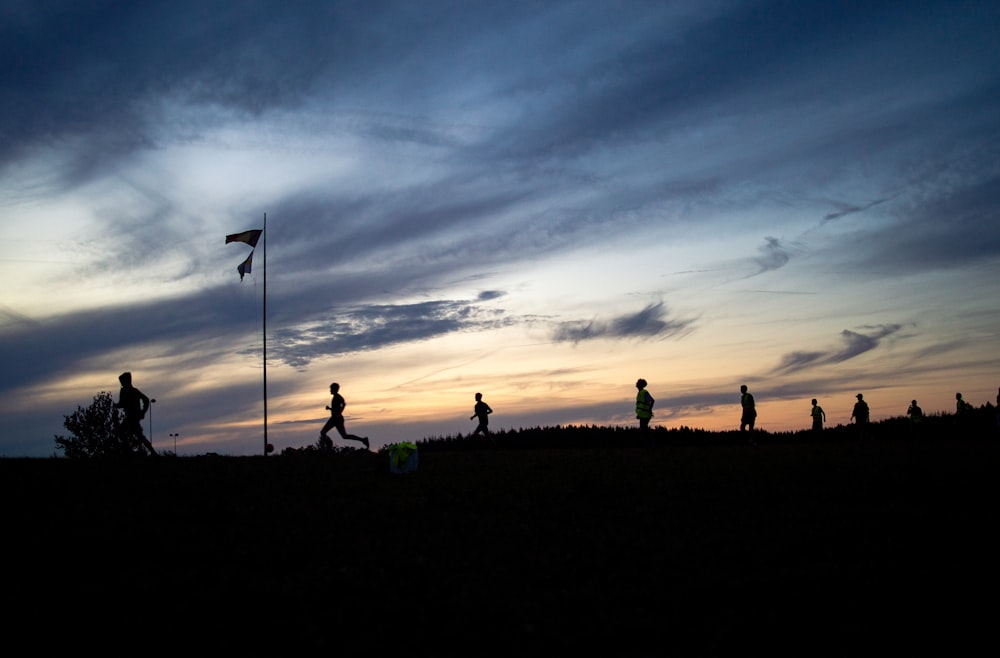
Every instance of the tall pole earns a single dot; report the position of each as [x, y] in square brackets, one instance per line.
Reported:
[265, 334]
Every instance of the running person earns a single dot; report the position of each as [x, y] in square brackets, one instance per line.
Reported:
[336, 408]
[134, 403]
[481, 411]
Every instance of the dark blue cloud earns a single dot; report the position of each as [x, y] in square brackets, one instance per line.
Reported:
[773, 255]
[374, 327]
[652, 321]
[850, 209]
[854, 344]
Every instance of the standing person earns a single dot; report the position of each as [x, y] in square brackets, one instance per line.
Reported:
[916, 415]
[963, 410]
[749, 416]
[860, 413]
[643, 404]
[135, 404]
[481, 411]
[336, 408]
[818, 416]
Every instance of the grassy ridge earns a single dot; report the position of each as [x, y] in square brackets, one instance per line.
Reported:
[826, 548]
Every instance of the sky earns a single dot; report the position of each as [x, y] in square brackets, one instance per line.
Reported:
[538, 201]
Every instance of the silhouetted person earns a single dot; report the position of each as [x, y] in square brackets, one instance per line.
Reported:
[134, 404]
[643, 404]
[749, 414]
[861, 412]
[336, 408]
[818, 416]
[861, 415]
[916, 415]
[481, 411]
[961, 406]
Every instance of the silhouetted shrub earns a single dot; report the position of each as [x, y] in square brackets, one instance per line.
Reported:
[94, 432]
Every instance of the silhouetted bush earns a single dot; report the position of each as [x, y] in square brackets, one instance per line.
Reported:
[94, 432]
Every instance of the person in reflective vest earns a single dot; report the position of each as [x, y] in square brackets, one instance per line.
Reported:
[403, 457]
[643, 404]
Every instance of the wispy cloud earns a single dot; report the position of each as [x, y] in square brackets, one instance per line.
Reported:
[773, 255]
[653, 320]
[854, 344]
[850, 209]
[375, 327]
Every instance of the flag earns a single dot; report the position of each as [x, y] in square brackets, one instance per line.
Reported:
[244, 267]
[250, 237]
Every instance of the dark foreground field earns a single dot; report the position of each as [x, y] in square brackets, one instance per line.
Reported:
[836, 549]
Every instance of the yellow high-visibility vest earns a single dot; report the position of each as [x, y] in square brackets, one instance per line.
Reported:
[643, 409]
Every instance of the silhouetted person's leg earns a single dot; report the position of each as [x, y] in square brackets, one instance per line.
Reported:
[133, 428]
[325, 442]
[149, 446]
[483, 429]
[351, 437]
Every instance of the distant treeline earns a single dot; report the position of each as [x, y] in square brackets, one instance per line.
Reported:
[978, 423]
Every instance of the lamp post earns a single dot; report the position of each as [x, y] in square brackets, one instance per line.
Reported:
[175, 435]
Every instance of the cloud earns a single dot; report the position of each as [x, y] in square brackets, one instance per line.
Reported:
[488, 295]
[377, 326]
[855, 344]
[954, 229]
[61, 344]
[650, 321]
[850, 209]
[773, 255]
[99, 65]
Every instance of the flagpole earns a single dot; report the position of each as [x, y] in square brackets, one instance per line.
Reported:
[264, 332]
[252, 237]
